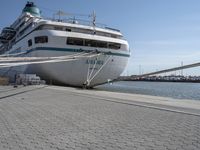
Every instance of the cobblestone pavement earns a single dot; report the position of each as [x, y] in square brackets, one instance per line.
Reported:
[57, 120]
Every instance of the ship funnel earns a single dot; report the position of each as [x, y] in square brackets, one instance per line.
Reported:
[32, 9]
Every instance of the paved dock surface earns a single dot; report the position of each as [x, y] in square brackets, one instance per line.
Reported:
[61, 118]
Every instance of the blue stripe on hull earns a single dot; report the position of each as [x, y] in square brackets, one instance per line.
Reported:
[75, 50]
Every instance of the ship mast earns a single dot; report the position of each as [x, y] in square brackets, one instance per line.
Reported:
[94, 21]
[94, 18]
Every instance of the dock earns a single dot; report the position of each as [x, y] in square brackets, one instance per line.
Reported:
[63, 118]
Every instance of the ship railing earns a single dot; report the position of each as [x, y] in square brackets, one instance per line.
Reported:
[83, 22]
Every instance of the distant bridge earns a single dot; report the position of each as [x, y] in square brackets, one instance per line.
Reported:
[168, 70]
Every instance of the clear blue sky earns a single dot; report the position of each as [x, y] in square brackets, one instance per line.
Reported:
[161, 33]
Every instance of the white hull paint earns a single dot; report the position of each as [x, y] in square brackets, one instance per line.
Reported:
[75, 72]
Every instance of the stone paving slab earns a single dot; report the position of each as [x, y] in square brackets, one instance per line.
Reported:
[156, 102]
[45, 118]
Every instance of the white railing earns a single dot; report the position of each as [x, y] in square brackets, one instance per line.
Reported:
[81, 22]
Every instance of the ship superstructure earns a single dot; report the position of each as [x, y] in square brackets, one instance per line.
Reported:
[100, 53]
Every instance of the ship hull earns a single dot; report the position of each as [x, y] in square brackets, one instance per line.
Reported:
[79, 71]
[84, 70]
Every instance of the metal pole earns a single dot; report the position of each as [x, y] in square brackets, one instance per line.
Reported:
[182, 69]
[139, 69]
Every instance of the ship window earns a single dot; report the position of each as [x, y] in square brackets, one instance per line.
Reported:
[75, 41]
[87, 43]
[102, 44]
[68, 30]
[22, 24]
[29, 42]
[41, 39]
[114, 46]
[113, 36]
[58, 28]
[92, 43]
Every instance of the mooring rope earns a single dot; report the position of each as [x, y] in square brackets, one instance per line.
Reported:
[18, 61]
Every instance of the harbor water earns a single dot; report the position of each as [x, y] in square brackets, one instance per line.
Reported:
[175, 90]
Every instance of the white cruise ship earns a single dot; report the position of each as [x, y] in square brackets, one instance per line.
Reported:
[94, 54]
